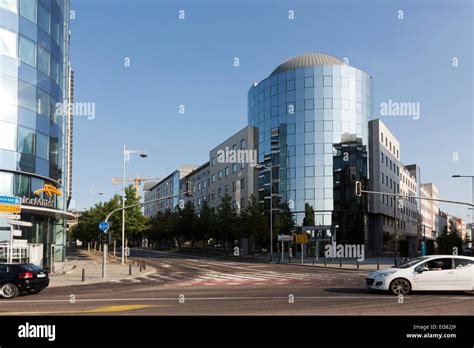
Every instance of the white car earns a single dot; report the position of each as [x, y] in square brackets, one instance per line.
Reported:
[435, 272]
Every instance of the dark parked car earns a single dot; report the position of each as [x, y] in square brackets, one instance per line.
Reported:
[19, 278]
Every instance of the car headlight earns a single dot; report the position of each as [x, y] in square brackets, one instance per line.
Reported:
[386, 274]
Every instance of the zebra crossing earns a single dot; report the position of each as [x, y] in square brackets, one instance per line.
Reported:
[210, 278]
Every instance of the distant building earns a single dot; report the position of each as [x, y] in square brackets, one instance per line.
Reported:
[230, 170]
[387, 174]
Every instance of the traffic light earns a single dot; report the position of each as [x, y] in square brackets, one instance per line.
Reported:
[189, 188]
[358, 188]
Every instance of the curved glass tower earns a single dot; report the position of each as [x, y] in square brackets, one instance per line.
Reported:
[34, 80]
[312, 115]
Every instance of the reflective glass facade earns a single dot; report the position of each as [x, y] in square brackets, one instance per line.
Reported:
[33, 78]
[313, 131]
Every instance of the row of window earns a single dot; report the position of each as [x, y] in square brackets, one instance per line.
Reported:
[28, 141]
[393, 167]
[307, 82]
[388, 145]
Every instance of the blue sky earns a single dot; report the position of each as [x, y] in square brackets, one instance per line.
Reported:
[190, 62]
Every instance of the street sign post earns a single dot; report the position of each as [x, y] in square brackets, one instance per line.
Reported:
[10, 217]
[20, 223]
[17, 233]
[104, 226]
[10, 204]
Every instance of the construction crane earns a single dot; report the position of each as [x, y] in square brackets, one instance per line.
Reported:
[137, 182]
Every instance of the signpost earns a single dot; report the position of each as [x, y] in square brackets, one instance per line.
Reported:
[104, 226]
[302, 238]
[10, 204]
[20, 223]
[284, 238]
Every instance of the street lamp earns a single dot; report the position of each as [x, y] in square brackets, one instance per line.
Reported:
[270, 167]
[126, 158]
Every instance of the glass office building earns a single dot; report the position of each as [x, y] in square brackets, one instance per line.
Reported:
[312, 116]
[34, 79]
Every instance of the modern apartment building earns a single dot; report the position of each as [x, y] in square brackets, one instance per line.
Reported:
[230, 170]
[312, 117]
[34, 138]
[388, 215]
[168, 189]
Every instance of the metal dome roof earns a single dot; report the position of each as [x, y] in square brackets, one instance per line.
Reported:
[307, 59]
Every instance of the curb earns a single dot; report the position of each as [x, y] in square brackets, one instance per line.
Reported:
[102, 281]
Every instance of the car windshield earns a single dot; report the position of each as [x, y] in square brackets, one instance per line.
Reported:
[411, 262]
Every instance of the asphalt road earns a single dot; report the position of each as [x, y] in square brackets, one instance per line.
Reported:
[191, 285]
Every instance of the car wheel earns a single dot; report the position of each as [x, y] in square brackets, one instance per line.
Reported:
[9, 290]
[400, 286]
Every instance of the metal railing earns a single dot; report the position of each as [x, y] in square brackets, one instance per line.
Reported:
[20, 253]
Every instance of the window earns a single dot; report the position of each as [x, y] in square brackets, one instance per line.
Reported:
[290, 85]
[461, 263]
[381, 154]
[243, 144]
[219, 192]
[234, 168]
[26, 140]
[10, 5]
[226, 171]
[42, 145]
[27, 51]
[242, 183]
[28, 10]
[7, 43]
[199, 187]
[226, 188]
[309, 104]
[234, 186]
[345, 82]
[213, 161]
[308, 82]
[327, 81]
[8, 138]
[274, 90]
[219, 174]
[382, 177]
[43, 103]
[438, 264]
[328, 103]
[344, 104]
[26, 95]
[381, 137]
[43, 60]
[213, 177]
[44, 19]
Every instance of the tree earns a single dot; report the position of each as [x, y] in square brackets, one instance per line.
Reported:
[308, 215]
[206, 222]
[186, 223]
[447, 241]
[226, 221]
[254, 222]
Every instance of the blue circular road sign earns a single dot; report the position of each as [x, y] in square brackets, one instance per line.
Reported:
[103, 226]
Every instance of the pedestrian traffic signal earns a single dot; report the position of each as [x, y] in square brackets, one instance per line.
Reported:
[358, 188]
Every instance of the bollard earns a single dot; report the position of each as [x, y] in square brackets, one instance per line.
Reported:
[289, 259]
[325, 264]
[144, 265]
[129, 269]
[313, 260]
[83, 275]
[357, 264]
[340, 263]
[140, 265]
[378, 265]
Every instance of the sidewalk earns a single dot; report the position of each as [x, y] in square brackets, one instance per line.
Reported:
[79, 259]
